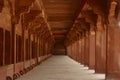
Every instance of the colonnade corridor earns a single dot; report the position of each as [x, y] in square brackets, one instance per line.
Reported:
[33, 31]
[61, 68]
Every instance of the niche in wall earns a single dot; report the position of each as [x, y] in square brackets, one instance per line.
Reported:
[1, 46]
[7, 48]
[36, 49]
[27, 52]
[33, 49]
[42, 49]
[39, 50]
[18, 48]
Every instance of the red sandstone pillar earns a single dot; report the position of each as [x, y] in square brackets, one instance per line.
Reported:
[113, 55]
[92, 50]
[71, 51]
[76, 43]
[77, 51]
[80, 53]
[100, 64]
[82, 49]
[74, 52]
[86, 54]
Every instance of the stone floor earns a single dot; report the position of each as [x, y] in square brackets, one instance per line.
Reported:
[61, 68]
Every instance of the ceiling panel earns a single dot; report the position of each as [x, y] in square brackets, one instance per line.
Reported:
[61, 15]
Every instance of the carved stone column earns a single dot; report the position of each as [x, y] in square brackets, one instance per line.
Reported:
[92, 49]
[86, 48]
[100, 60]
[82, 49]
[80, 53]
[113, 55]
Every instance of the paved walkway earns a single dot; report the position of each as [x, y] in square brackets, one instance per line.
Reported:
[61, 68]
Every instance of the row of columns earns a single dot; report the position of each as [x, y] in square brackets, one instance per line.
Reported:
[22, 47]
[99, 49]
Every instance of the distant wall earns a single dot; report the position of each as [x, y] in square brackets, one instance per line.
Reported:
[59, 49]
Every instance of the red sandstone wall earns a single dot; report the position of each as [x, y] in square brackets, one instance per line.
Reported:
[5, 24]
